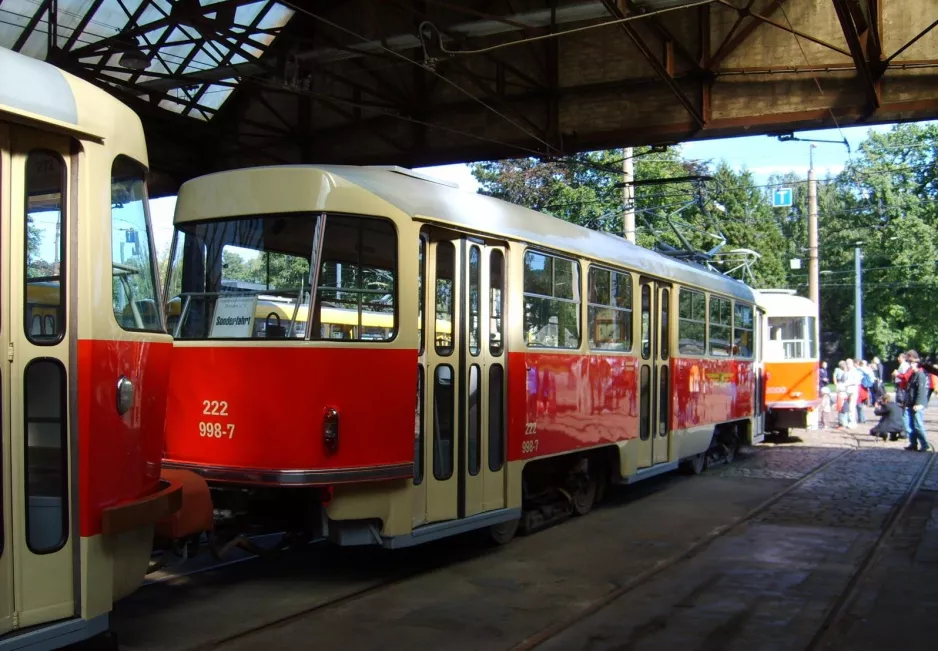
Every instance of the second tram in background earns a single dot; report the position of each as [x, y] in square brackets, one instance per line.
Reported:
[791, 361]
[376, 356]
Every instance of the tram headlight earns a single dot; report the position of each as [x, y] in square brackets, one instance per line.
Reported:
[330, 429]
[125, 395]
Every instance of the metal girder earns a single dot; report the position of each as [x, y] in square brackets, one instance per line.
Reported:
[788, 28]
[656, 65]
[31, 25]
[869, 76]
[734, 39]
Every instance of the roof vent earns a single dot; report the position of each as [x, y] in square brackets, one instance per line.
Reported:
[414, 174]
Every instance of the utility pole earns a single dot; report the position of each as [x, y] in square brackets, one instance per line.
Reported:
[628, 195]
[858, 300]
[813, 266]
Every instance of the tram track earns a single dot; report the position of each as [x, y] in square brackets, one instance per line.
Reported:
[537, 639]
[827, 629]
[552, 631]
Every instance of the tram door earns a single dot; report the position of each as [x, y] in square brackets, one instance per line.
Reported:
[654, 373]
[463, 437]
[37, 542]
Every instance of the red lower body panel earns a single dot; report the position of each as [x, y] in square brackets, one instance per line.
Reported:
[119, 455]
[262, 408]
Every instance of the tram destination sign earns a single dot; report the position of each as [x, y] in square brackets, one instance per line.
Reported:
[234, 317]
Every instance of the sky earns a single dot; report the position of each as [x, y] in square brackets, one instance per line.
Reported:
[762, 155]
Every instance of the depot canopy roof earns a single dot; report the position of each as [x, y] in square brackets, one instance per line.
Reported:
[136, 44]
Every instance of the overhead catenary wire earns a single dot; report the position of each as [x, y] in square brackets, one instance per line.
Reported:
[301, 10]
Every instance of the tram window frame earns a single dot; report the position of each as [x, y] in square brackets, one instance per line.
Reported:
[606, 299]
[146, 245]
[41, 339]
[535, 280]
[690, 319]
[474, 301]
[722, 324]
[441, 471]
[665, 310]
[189, 269]
[444, 350]
[62, 420]
[496, 302]
[421, 294]
[316, 313]
[739, 349]
[496, 417]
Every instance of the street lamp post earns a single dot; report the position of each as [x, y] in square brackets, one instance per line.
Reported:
[858, 300]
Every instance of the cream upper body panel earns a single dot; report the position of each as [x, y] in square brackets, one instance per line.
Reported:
[39, 94]
[395, 193]
[784, 302]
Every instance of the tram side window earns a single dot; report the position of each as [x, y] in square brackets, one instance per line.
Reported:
[133, 290]
[692, 323]
[551, 301]
[355, 299]
[610, 310]
[721, 327]
[742, 330]
[788, 338]
[44, 316]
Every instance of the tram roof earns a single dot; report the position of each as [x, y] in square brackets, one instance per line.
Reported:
[384, 191]
[785, 302]
[37, 92]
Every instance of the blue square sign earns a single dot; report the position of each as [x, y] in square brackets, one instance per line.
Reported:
[781, 198]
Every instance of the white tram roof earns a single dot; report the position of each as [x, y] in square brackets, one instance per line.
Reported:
[36, 93]
[389, 191]
[785, 302]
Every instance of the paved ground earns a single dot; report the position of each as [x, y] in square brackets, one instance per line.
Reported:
[659, 566]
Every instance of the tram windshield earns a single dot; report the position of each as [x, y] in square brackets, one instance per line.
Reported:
[250, 278]
[792, 337]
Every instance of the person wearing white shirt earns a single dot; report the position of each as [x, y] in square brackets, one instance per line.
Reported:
[852, 379]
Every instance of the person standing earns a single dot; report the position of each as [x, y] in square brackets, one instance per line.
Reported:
[823, 376]
[916, 400]
[878, 390]
[852, 379]
[824, 391]
[840, 373]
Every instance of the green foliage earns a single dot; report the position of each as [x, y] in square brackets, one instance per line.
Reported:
[886, 198]
[274, 270]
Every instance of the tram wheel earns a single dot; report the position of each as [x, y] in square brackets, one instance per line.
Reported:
[585, 495]
[503, 532]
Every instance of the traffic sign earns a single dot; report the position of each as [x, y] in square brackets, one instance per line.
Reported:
[781, 198]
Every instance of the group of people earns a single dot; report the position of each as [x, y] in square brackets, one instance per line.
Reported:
[858, 383]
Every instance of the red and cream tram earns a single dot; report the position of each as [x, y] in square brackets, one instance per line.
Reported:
[86, 358]
[790, 356]
[495, 365]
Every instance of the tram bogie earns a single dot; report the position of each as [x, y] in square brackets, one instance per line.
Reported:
[440, 361]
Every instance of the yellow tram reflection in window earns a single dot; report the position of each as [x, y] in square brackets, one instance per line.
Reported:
[272, 319]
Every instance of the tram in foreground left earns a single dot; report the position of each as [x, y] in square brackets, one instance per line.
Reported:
[500, 367]
[86, 358]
